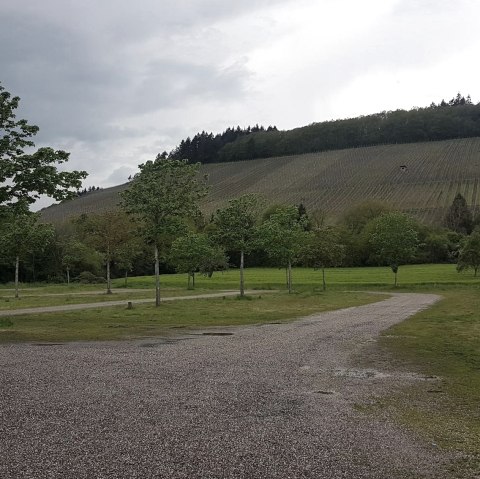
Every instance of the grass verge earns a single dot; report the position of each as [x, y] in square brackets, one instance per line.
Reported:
[442, 341]
[174, 317]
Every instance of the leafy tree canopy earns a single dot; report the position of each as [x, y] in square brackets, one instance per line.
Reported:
[25, 176]
[394, 239]
[469, 256]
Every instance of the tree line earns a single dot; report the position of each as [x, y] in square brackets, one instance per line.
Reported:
[144, 239]
[205, 147]
[457, 118]
[160, 224]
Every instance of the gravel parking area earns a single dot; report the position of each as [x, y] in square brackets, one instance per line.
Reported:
[270, 401]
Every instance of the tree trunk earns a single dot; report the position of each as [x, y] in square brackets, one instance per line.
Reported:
[109, 283]
[189, 275]
[324, 284]
[395, 279]
[289, 276]
[68, 275]
[193, 280]
[17, 265]
[242, 286]
[126, 278]
[157, 278]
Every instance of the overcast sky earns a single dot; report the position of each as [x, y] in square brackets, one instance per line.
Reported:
[117, 81]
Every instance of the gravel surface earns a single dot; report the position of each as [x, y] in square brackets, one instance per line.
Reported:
[270, 401]
[123, 302]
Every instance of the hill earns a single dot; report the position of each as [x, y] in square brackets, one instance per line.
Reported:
[419, 178]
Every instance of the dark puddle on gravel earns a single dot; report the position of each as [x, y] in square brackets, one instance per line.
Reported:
[161, 342]
[47, 344]
[217, 334]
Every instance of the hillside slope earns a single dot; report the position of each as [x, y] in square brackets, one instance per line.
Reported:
[419, 178]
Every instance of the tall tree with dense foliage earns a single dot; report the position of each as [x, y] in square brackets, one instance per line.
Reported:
[393, 239]
[469, 256]
[283, 237]
[163, 194]
[20, 235]
[24, 177]
[235, 228]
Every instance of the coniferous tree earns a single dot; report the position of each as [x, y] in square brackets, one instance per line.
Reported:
[459, 217]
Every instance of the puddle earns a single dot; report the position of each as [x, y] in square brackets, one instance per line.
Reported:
[355, 373]
[324, 392]
[48, 344]
[217, 334]
[360, 373]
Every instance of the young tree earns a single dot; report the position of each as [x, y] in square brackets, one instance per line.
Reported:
[283, 237]
[469, 256]
[235, 228]
[393, 238]
[163, 195]
[324, 250]
[24, 177]
[108, 233]
[76, 256]
[21, 235]
[196, 253]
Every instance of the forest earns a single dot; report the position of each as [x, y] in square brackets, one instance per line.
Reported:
[457, 118]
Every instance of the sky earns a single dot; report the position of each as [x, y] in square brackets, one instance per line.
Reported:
[116, 82]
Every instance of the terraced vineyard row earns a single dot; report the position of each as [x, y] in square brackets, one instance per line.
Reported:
[420, 178]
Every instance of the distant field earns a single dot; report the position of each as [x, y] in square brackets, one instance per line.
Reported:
[307, 278]
[270, 278]
[419, 178]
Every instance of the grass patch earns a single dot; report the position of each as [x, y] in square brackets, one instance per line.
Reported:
[40, 297]
[442, 341]
[147, 320]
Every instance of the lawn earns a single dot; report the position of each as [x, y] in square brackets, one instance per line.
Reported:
[442, 341]
[145, 320]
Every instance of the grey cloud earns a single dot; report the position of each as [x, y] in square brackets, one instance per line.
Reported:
[170, 83]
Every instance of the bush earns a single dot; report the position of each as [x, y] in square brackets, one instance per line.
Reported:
[85, 277]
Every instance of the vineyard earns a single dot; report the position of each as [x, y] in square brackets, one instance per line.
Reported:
[419, 178]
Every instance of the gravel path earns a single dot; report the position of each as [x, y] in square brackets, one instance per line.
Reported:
[271, 401]
[123, 302]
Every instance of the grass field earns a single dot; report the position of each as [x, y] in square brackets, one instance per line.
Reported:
[309, 279]
[440, 276]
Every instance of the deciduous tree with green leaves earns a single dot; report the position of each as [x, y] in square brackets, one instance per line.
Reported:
[324, 250]
[469, 256]
[235, 228]
[163, 194]
[393, 239]
[283, 237]
[108, 233]
[196, 253]
[24, 177]
[21, 235]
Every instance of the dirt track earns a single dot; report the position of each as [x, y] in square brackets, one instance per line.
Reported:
[271, 401]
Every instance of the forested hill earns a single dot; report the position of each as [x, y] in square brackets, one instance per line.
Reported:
[458, 118]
